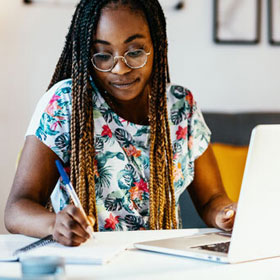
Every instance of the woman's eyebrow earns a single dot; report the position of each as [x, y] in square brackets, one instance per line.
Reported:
[128, 40]
[101, 42]
[133, 37]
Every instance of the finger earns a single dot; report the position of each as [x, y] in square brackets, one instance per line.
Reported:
[228, 213]
[225, 224]
[72, 227]
[77, 236]
[65, 219]
[226, 227]
[223, 216]
[225, 221]
[78, 216]
[62, 239]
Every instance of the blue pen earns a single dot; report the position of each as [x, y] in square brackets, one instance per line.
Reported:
[72, 193]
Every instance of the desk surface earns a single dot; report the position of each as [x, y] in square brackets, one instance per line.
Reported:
[136, 264]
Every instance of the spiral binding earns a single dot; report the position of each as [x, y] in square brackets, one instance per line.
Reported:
[40, 243]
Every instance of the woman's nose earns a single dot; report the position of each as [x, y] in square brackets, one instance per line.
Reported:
[120, 67]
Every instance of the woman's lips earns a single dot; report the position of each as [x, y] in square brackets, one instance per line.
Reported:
[123, 84]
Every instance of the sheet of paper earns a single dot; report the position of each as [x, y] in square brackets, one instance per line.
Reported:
[8, 247]
[94, 251]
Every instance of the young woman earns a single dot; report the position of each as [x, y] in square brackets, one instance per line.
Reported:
[131, 141]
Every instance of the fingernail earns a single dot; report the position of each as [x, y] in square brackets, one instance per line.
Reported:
[229, 213]
[89, 230]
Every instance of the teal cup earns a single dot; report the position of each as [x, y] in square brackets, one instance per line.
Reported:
[42, 268]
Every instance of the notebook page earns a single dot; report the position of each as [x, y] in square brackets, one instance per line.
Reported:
[94, 251]
[9, 245]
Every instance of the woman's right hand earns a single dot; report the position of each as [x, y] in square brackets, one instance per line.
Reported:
[71, 227]
[34, 182]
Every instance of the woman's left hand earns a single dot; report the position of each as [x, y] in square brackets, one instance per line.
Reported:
[224, 216]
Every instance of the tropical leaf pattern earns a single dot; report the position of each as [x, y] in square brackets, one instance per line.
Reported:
[122, 152]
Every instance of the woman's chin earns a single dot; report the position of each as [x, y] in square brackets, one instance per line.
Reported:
[126, 93]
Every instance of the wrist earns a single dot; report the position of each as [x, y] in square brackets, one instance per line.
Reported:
[51, 224]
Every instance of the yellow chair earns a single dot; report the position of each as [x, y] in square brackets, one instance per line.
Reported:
[231, 160]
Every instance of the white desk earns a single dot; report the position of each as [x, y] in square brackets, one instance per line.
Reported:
[135, 264]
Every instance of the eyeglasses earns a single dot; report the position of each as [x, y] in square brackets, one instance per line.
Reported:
[134, 59]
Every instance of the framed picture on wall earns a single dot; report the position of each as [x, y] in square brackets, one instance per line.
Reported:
[274, 22]
[174, 4]
[55, 2]
[237, 21]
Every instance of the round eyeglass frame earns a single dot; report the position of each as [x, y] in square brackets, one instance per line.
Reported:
[116, 57]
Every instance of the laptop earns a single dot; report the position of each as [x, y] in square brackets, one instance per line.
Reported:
[256, 231]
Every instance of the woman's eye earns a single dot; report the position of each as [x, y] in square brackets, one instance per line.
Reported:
[135, 53]
[103, 57]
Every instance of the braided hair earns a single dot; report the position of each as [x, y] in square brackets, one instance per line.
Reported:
[74, 63]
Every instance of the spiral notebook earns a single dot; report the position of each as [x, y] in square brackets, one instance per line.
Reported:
[94, 251]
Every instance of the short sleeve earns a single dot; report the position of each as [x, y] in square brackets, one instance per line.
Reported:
[199, 133]
[188, 128]
[189, 133]
[50, 122]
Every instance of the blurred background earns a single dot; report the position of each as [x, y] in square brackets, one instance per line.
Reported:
[223, 78]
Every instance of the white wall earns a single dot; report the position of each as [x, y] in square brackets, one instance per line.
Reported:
[31, 38]
[223, 78]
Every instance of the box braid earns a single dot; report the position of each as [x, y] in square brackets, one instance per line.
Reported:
[74, 62]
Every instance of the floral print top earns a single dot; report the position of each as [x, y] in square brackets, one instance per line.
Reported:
[122, 152]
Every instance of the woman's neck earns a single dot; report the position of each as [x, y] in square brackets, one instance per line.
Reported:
[135, 110]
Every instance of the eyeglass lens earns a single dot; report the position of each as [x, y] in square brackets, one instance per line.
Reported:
[133, 59]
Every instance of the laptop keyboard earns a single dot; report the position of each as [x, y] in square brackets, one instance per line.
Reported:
[217, 247]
